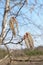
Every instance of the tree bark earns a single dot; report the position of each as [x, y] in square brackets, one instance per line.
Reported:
[4, 22]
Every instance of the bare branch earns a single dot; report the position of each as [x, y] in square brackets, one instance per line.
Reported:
[4, 22]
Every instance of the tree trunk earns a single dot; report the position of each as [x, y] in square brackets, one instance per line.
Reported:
[4, 23]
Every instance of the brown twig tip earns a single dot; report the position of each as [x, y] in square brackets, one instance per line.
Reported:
[27, 34]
